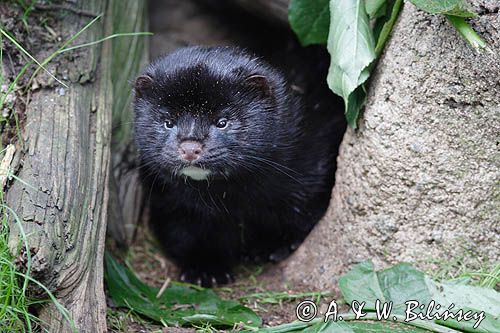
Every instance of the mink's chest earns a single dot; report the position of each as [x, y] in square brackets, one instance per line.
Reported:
[232, 202]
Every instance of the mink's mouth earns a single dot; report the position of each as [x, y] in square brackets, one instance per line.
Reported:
[195, 173]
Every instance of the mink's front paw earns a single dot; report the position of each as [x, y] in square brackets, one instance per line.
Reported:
[206, 278]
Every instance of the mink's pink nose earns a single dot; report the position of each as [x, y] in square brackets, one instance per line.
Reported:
[190, 150]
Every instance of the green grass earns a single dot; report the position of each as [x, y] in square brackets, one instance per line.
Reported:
[27, 9]
[62, 49]
[119, 321]
[206, 328]
[14, 303]
[486, 275]
[14, 300]
[277, 297]
[14, 315]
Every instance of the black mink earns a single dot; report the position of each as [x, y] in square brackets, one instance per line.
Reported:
[234, 165]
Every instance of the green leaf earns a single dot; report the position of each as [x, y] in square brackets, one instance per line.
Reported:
[449, 7]
[383, 26]
[179, 305]
[319, 326]
[358, 327]
[309, 20]
[403, 283]
[455, 11]
[385, 327]
[361, 275]
[375, 8]
[352, 49]
[354, 105]
[467, 298]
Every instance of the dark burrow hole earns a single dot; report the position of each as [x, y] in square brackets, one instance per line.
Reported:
[176, 24]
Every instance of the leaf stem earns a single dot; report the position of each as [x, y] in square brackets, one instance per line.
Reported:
[387, 28]
[467, 32]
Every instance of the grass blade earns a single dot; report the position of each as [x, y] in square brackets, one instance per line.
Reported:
[40, 65]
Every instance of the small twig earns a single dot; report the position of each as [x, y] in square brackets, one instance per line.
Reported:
[165, 284]
[68, 8]
[163, 288]
[5, 164]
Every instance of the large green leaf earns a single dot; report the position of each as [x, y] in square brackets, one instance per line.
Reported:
[375, 8]
[319, 326]
[449, 7]
[310, 20]
[403, 283]
[354, 105]
[178, 305]
[352, 49]
[363, 327]
[361, 275]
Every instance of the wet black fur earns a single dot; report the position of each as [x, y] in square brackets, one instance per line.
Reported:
[272, 167]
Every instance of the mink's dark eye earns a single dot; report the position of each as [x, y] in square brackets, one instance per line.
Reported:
[221, 123]
[168, 124]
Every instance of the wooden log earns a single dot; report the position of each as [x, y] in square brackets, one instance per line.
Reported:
[66, 164]
[129, 56]
[62, 200]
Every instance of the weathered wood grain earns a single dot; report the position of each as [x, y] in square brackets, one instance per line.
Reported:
[66, 164]
[129, 56]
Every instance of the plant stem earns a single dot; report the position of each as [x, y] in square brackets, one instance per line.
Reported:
[387, 28]
[467, 32]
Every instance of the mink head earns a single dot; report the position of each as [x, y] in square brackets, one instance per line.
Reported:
[208, 112]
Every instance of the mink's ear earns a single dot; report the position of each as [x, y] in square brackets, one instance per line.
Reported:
[259, 83]
[143, 85]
